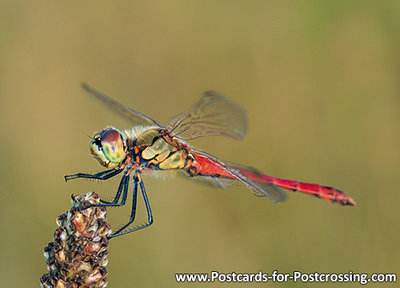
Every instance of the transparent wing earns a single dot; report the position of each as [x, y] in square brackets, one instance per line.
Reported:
[213, 114]
[128, 113]
[214, 182]
[250, 177]
[259, 187]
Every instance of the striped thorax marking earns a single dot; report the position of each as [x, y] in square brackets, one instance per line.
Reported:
[161, 150]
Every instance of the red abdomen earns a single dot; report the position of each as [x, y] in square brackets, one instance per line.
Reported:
[207, 166]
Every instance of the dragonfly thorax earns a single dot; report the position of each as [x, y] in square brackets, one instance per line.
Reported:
[157, 148]
[147, 138]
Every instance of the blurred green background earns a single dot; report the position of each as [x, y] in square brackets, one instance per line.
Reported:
[320, 83]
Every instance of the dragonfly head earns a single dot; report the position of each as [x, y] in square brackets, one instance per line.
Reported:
[108, 147]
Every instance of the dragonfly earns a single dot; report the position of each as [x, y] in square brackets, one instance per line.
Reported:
[151, 146]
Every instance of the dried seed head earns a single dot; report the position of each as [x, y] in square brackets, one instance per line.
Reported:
[78, 255]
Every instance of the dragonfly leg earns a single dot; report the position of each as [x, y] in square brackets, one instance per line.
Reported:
[104, 175]
[122, 188]
[120, 231]
[117, 196]
[133, 211]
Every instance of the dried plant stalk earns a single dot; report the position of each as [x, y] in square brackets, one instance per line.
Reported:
[78, 255]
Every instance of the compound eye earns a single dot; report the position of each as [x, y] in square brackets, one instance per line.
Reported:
[112, 144]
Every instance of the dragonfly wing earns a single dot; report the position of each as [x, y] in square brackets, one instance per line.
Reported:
[249, 176]
[213, 114]
[211, 181]
[128, 113]
[258, 185]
